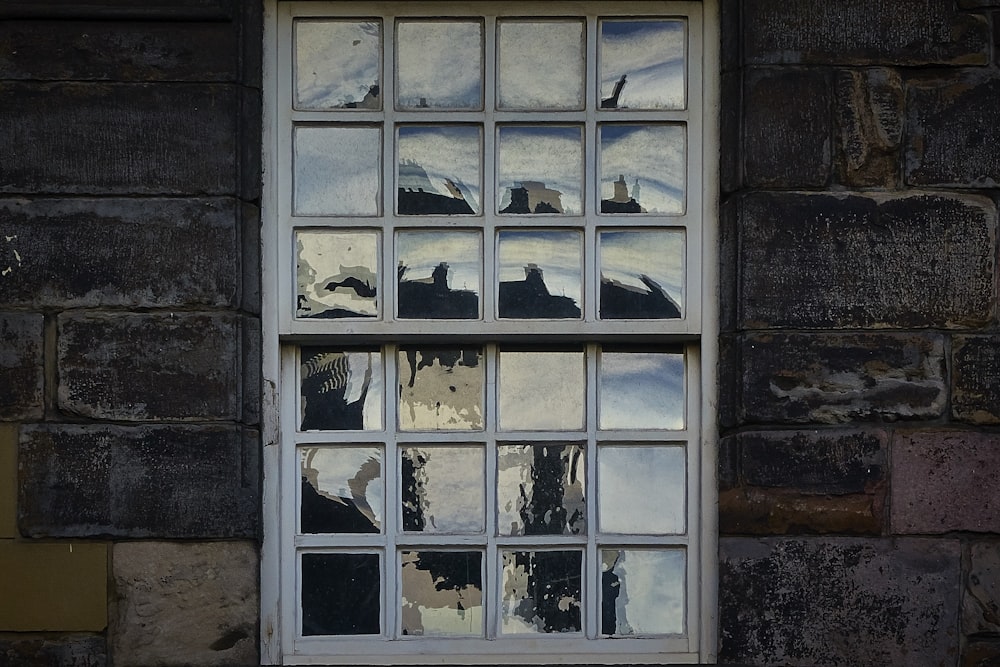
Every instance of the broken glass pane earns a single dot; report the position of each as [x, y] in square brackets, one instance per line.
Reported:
[342, 489]
[337, 274]
[440, 389]
[438, 273]
[642, 169]
[642, 591]
[542, 390]
[522, 46]
[338, 170]
[340, 594]
[442, 593]
[642, 64]
[641, 490]
[439, 168]
[641, 390]
[540, 274]
[439, 64]
[540, 489]
[341, 390]
[540, 169]
[337, 64]
[642, 274]
[442, 489]
[541, 592]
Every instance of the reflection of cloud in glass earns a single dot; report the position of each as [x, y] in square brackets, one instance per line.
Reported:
[439, 64]
[558, 254]
[337, 170]
[640, 390]
[552, 155]
[336, 62]
[658, 254]
[651, 154]
[337, 466]
[541, 64]
[541, 390]
[446, 152]
[641, 490]
[324, 256]
[422, 251]
[450, 487]
[651, 593]
[651, 55]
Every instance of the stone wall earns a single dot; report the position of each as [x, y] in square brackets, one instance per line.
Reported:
[860, 458]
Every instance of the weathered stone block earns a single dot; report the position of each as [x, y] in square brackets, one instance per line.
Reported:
[869, 113]
[76, 650]
[763, 511]
[945, 481]
[825, 260]
[153, 481]
[185, 604]
[839, 601]
[981, 602]
[120, 252]
[983, 653]
[21, 345]
[8, 480]
[975, 372]
[216, 10]
[731, 159]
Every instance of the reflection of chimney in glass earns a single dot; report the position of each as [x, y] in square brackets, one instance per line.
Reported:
[635, 191]
[612, 102]
[621, 190]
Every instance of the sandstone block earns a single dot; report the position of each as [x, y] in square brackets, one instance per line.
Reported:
[75, 650]
[975, 365]
[8, 480]
[981, 653]
[981, 602]
[21, 345]
[767, 511]
[869, 113]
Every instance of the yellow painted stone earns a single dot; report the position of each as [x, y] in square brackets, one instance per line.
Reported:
[8, 480]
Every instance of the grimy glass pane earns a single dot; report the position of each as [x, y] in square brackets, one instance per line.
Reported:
[439, 170]
[641, 490]
[341, 390]
[439, 274]
[336, 274]
[541, 169]
[540, 274]
[442, 593]
[642, 169]
[641, 390]
[541, 592]
[341, 594]
[441, 389]
[443, 489]
[642, 64]
[439, 64]
[337, 170]
[642, 591]
[542, 390]
[523, 46]
[337, 64]
[540, 490]
[642, 274]
[342, 489]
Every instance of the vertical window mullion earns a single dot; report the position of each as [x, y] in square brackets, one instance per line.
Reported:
[592, 569]
[491, 583]
[391, 475]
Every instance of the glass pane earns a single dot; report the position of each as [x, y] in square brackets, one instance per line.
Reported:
[439, 274]
[642, 274]
[540, 274]
[439, 170]
[540, 490]
[340, 594]
[341, 390]
[542, 390]
[642, 169]
[541, 169]
[337, 170]
[440, 389]
[641, 490]
[443, 489]
[541, 592]
[640, 390]
[642, 591]
[522, 45]
[337, 274]
[342, 489]
[439, 64]
[337, 64]
[642, 64]
[442, 593]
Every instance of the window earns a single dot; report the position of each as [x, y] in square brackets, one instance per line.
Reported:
[489, 233]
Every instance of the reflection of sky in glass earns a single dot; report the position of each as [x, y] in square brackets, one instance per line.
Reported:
[346, 472]
[658, 254]
[336, 62]
[640, 390]
[422, 251]
[651, 591]
[551, 155]
[640, 490]
[542, 390]
[326, 256]
[651, 154]
[439, 64]
[446, 153]
[541, 64]
[651, 56]
[450, 487]
[337, 170]
[558, 254]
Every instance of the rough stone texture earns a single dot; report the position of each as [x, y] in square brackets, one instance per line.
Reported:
[121, 252]
[730, 120]
[21, 343]
[208, 10]
[136, 367]
[153, 481]
[981, 654]
[944, 481]
[75, 650]
[869, 112]
[975, 376]
[185, 604]
[8, 480]
[833, 260]
[952, 132]
[981, 603]
[839, 601]
[757, 511]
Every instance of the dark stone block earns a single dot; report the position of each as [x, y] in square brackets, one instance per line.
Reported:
[214, 10]
[250, 167]
[729, 462]
[250, 264]
[21, 365]
[824, 260]
[729, 264]
[121, 252]
[869, 112]
[137, 482]
[981, 602]
[250, 372]
[839, 601]
[981, 653]
[731, 156]
[74, 650]
[975, 373]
